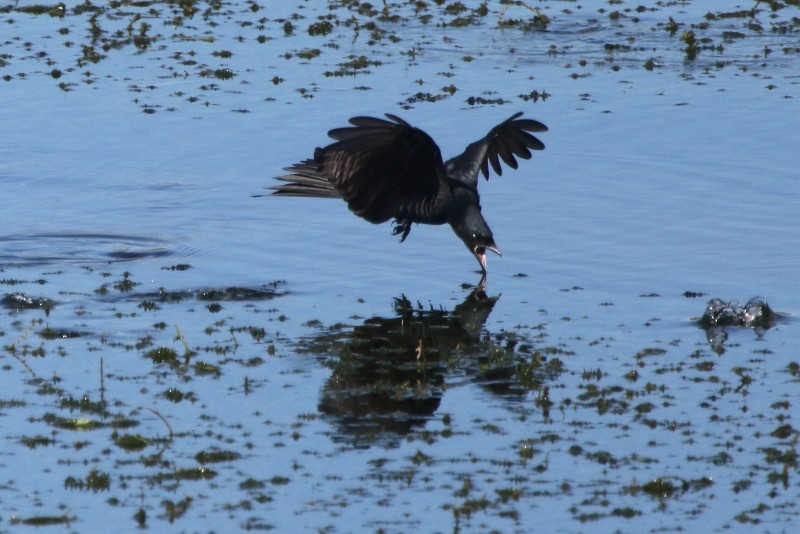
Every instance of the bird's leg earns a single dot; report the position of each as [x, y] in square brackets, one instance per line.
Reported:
[481, 287]
[403, 227]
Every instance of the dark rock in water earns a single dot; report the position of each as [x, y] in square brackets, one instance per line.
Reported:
[755, 314]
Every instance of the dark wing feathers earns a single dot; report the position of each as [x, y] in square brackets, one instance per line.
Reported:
[504, 143]
[388, 169]
[381, 168]
[305, 180]
[398, 120]
[510, 140]
[363, 125]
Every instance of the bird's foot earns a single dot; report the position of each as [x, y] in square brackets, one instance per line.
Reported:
[403, 227]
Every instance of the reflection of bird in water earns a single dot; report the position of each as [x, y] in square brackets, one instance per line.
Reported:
[387, 169]
[389, 374]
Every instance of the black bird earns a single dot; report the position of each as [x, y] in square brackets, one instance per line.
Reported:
[387, 169]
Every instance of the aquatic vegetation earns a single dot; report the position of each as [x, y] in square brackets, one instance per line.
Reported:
[688, 37]
[216, 456]
[43, 520]
[132, 442]
[99, 32]
[20, 301]
[162, 355]
[95, 481]
[387, 381]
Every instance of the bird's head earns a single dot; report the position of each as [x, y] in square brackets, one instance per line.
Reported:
[471, 228]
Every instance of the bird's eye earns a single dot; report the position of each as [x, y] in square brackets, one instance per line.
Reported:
[474, 235]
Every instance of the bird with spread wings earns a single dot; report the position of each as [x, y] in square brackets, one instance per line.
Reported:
[388, 169]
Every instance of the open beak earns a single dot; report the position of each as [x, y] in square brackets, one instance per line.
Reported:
[480, 254]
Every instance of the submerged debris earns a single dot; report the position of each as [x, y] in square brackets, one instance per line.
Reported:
[755, 314]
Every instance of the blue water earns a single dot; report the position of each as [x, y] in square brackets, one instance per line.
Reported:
[653, 184]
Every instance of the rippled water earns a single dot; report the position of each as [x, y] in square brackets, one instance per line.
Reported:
[325, 376]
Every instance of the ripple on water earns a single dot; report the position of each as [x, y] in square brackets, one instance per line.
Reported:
[78, 247]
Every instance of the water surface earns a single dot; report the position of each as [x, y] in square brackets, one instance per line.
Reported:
[321, 375]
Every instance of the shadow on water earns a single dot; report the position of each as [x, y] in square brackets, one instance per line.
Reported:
[22, 250]
[389, 374]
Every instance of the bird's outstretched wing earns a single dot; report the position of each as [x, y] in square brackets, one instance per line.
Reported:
[383, 168]
[507, 141]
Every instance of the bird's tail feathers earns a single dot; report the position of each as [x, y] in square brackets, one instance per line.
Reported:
[305, 180]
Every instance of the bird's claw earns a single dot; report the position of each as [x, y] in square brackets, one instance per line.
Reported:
[403, 227]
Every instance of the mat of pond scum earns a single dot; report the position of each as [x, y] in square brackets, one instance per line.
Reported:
[181, 355]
